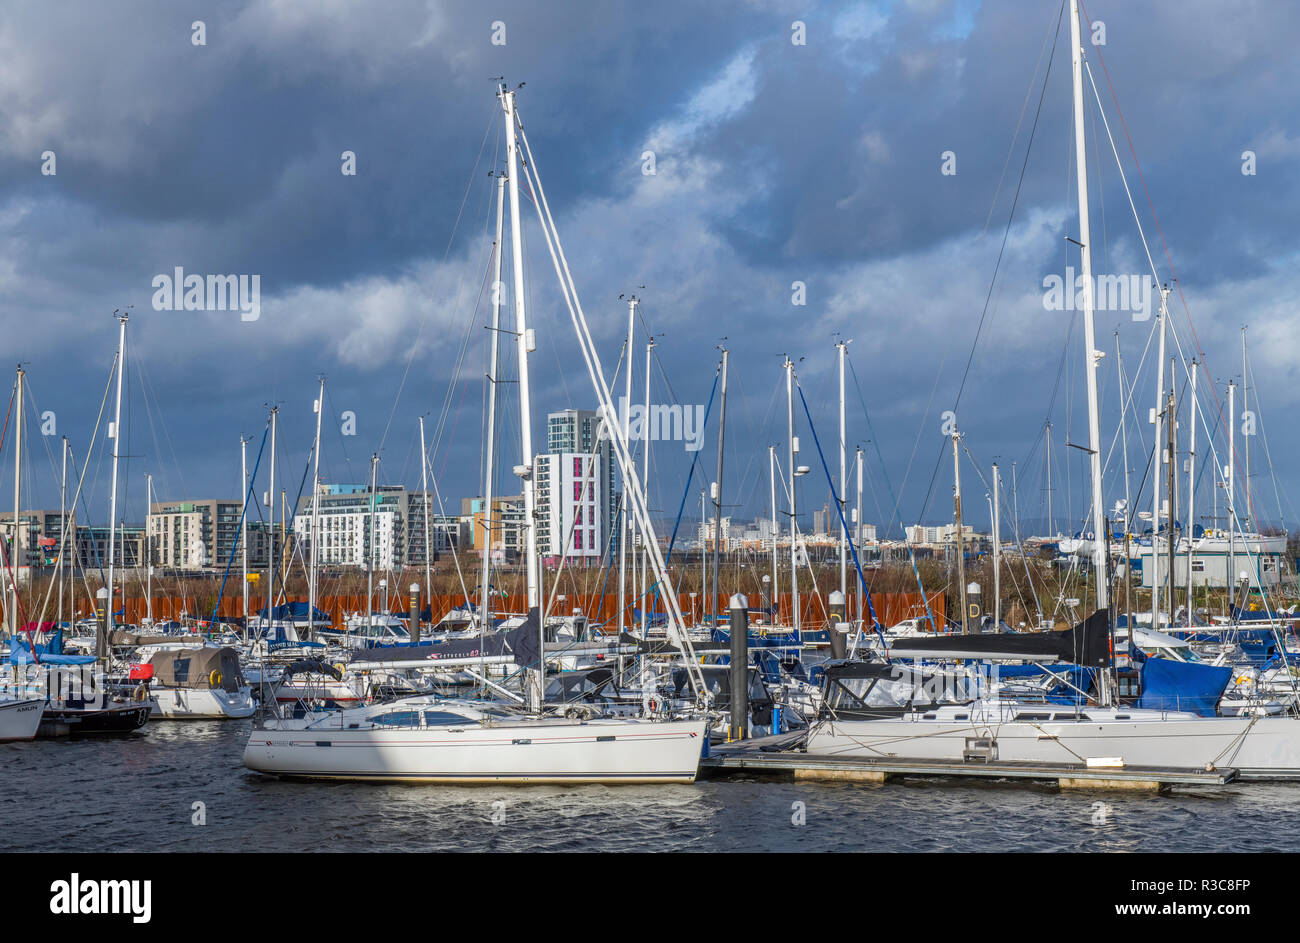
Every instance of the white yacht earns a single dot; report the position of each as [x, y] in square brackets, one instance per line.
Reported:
[431, 739]
[198, 684]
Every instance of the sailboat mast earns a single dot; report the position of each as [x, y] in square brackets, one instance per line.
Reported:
[717, 485]
[490, 432]
[1100, 544]
[841, 346]
[793, 451]
[148, 542]
[776, 587]
[16, 553]
[315, 518]
[1246, 429]
[997, 551]
[1047, 453]
[1128, 504]
[270, 526]
[704, 567]
[428, 547]
[63, 521]
[243, 475]
[1171, 457]
[370, 562]
[525, 345]
[857, 537]
[643, 587]
[626, 521]
[1156, 484]
[1231, 581]
[1191, 491]
[117, 438]
[956, 510]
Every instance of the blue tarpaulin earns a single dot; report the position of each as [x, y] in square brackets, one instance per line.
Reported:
[1182, 686]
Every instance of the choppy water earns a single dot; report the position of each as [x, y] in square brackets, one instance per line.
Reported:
[137, 794]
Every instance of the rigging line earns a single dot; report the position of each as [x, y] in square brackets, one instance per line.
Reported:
[1006, 232]
[866, 591]
[1156, 218]
[1029, 90]
[455, 378]
[871, 431]
[415, 345]
[1268, 454]
[1126, 394]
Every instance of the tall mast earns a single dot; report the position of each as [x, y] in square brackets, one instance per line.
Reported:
[428, 547]
[16, 553]
[1246, 431]
[1047, 457]
[792, 453]
[1232, 503]
[1128, 504]
[148, 542]
[270, 526]
[1100, 545]
[771, 469]
[997, 551]
[63, 522]
[117, 439]
[626, 519]
[717, 485]
[645, 480]
[1191, 491]
[1172, 421]
[857, 537]
[370, 562]
[525, 345]
[315, 518]
[243, 475]
[490, 434]
[956, 510]
[844, 481]
[1158, 449]
[704, 568]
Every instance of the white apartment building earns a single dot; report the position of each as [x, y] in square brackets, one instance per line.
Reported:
[572, 506]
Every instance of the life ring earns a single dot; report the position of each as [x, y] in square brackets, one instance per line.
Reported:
[214, 679]
[140, 693]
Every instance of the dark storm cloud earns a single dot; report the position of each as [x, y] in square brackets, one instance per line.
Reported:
[776, 163]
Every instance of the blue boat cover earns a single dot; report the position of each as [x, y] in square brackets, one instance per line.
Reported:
[1182, 686]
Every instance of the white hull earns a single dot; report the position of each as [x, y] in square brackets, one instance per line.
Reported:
[201, 703]
[520, 750]
[19, 719]
[1258, 747]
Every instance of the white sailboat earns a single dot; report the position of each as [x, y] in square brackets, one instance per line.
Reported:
[430, 739]
[882, 710]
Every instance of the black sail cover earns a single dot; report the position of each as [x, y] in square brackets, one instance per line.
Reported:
[1087, 645]
[521, 642]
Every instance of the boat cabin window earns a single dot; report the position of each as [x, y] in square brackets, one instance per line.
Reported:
[444, 719]
[397, 719]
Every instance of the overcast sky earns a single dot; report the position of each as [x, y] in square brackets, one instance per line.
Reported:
[775, 162]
